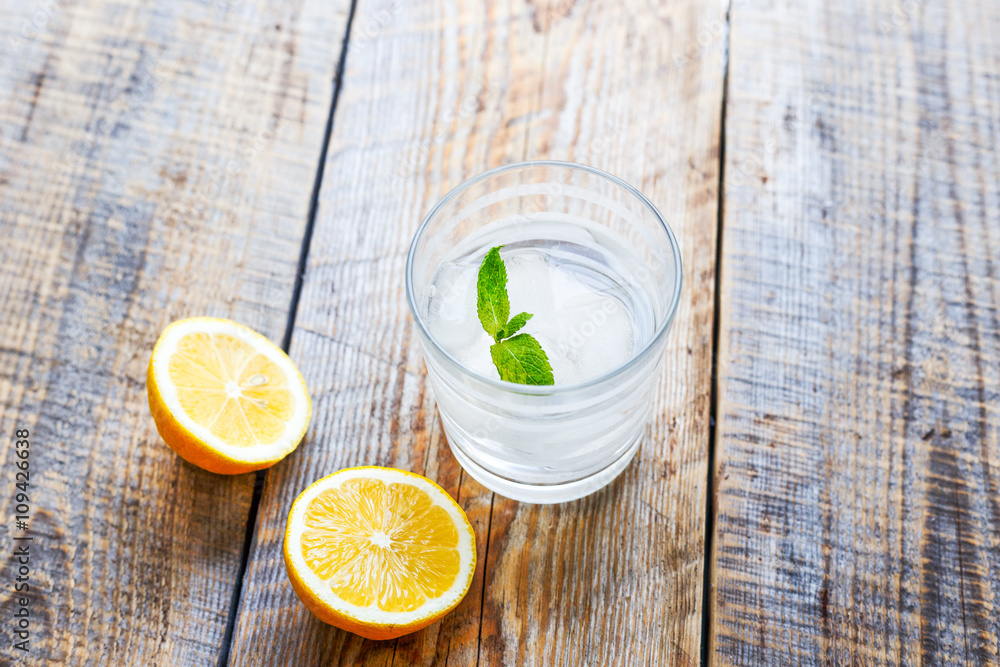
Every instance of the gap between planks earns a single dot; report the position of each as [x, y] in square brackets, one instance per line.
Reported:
[286, 339]
[707, 650]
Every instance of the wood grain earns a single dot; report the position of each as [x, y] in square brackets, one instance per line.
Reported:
[858, 451]
[154, 164]
[434, 93]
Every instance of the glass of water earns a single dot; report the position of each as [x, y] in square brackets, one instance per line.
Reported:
[599, 268]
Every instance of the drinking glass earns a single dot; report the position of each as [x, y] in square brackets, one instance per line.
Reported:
[554, 443]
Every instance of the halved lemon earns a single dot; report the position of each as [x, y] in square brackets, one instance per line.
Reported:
[379, 552]
[224, 397]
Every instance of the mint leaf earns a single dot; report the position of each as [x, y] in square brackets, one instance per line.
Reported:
[518, 358]
[491, 293]
[514, 325]
[521, 359]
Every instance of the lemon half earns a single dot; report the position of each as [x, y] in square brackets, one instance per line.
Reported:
[379, 552]
[224, 397]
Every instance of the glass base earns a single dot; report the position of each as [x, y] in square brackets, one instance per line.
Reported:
[545, 494]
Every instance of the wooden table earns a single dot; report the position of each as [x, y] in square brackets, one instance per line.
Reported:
[821, 482]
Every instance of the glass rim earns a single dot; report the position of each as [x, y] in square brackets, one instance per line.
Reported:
[547, 390]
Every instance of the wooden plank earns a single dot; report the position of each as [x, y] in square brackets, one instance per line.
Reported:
[858, 456]
[156, 162]
[434, 93]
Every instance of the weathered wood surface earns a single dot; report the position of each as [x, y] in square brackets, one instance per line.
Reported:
[434, 93]
[858, 453]
[155, 162]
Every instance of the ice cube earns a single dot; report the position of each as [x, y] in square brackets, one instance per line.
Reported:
[451, 311]
[530, 285]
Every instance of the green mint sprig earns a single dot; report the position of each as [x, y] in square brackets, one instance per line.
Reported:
[518, 358]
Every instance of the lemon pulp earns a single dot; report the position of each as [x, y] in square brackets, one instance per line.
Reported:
[226, 386]
[386, 545]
